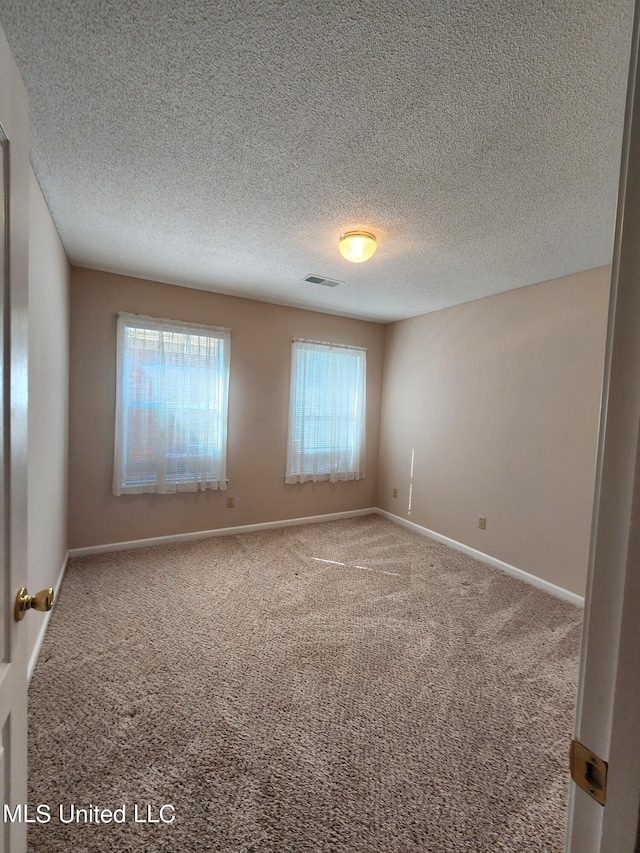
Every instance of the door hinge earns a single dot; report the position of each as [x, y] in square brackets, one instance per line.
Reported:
[589, 772]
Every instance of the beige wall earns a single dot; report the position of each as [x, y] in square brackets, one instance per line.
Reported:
[48, 396]
[261, 336]
[500, 399]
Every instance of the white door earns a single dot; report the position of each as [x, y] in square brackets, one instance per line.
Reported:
[608, 713]
[14, 166]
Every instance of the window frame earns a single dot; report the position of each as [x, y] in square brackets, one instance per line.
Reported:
[155, 483]
[298, 463]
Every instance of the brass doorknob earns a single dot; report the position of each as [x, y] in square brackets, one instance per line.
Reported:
[42, 600]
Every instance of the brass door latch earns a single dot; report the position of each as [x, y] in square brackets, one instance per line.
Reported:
[589, 772]
[42, 600]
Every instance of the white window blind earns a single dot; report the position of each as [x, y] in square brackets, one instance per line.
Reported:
[171, 406]
[326, 413]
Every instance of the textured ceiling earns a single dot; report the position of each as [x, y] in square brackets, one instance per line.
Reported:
[226, 145]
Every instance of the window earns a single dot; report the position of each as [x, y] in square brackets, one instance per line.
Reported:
[326, 412]
[171, 406]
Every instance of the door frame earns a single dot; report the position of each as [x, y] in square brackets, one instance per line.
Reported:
[608, 704]
[13, 429]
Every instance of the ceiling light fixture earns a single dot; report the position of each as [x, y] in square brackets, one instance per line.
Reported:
[357, 246]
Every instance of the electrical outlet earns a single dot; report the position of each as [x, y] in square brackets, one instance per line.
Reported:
[231, 502]
[395, 493]
[482, 522]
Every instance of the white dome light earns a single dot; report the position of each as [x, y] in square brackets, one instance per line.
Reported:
[357, 246]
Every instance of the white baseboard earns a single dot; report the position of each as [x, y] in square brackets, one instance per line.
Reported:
[45, 622]
[222, 531]
[534, 580]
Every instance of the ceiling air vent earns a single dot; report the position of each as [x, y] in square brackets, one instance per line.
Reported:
[325, 282]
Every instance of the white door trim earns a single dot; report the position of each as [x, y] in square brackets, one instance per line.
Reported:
[13, 432]
[608, 709]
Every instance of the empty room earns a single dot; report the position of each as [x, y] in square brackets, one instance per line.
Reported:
[321, 405]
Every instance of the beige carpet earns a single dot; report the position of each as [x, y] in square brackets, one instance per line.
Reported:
[347, 686]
